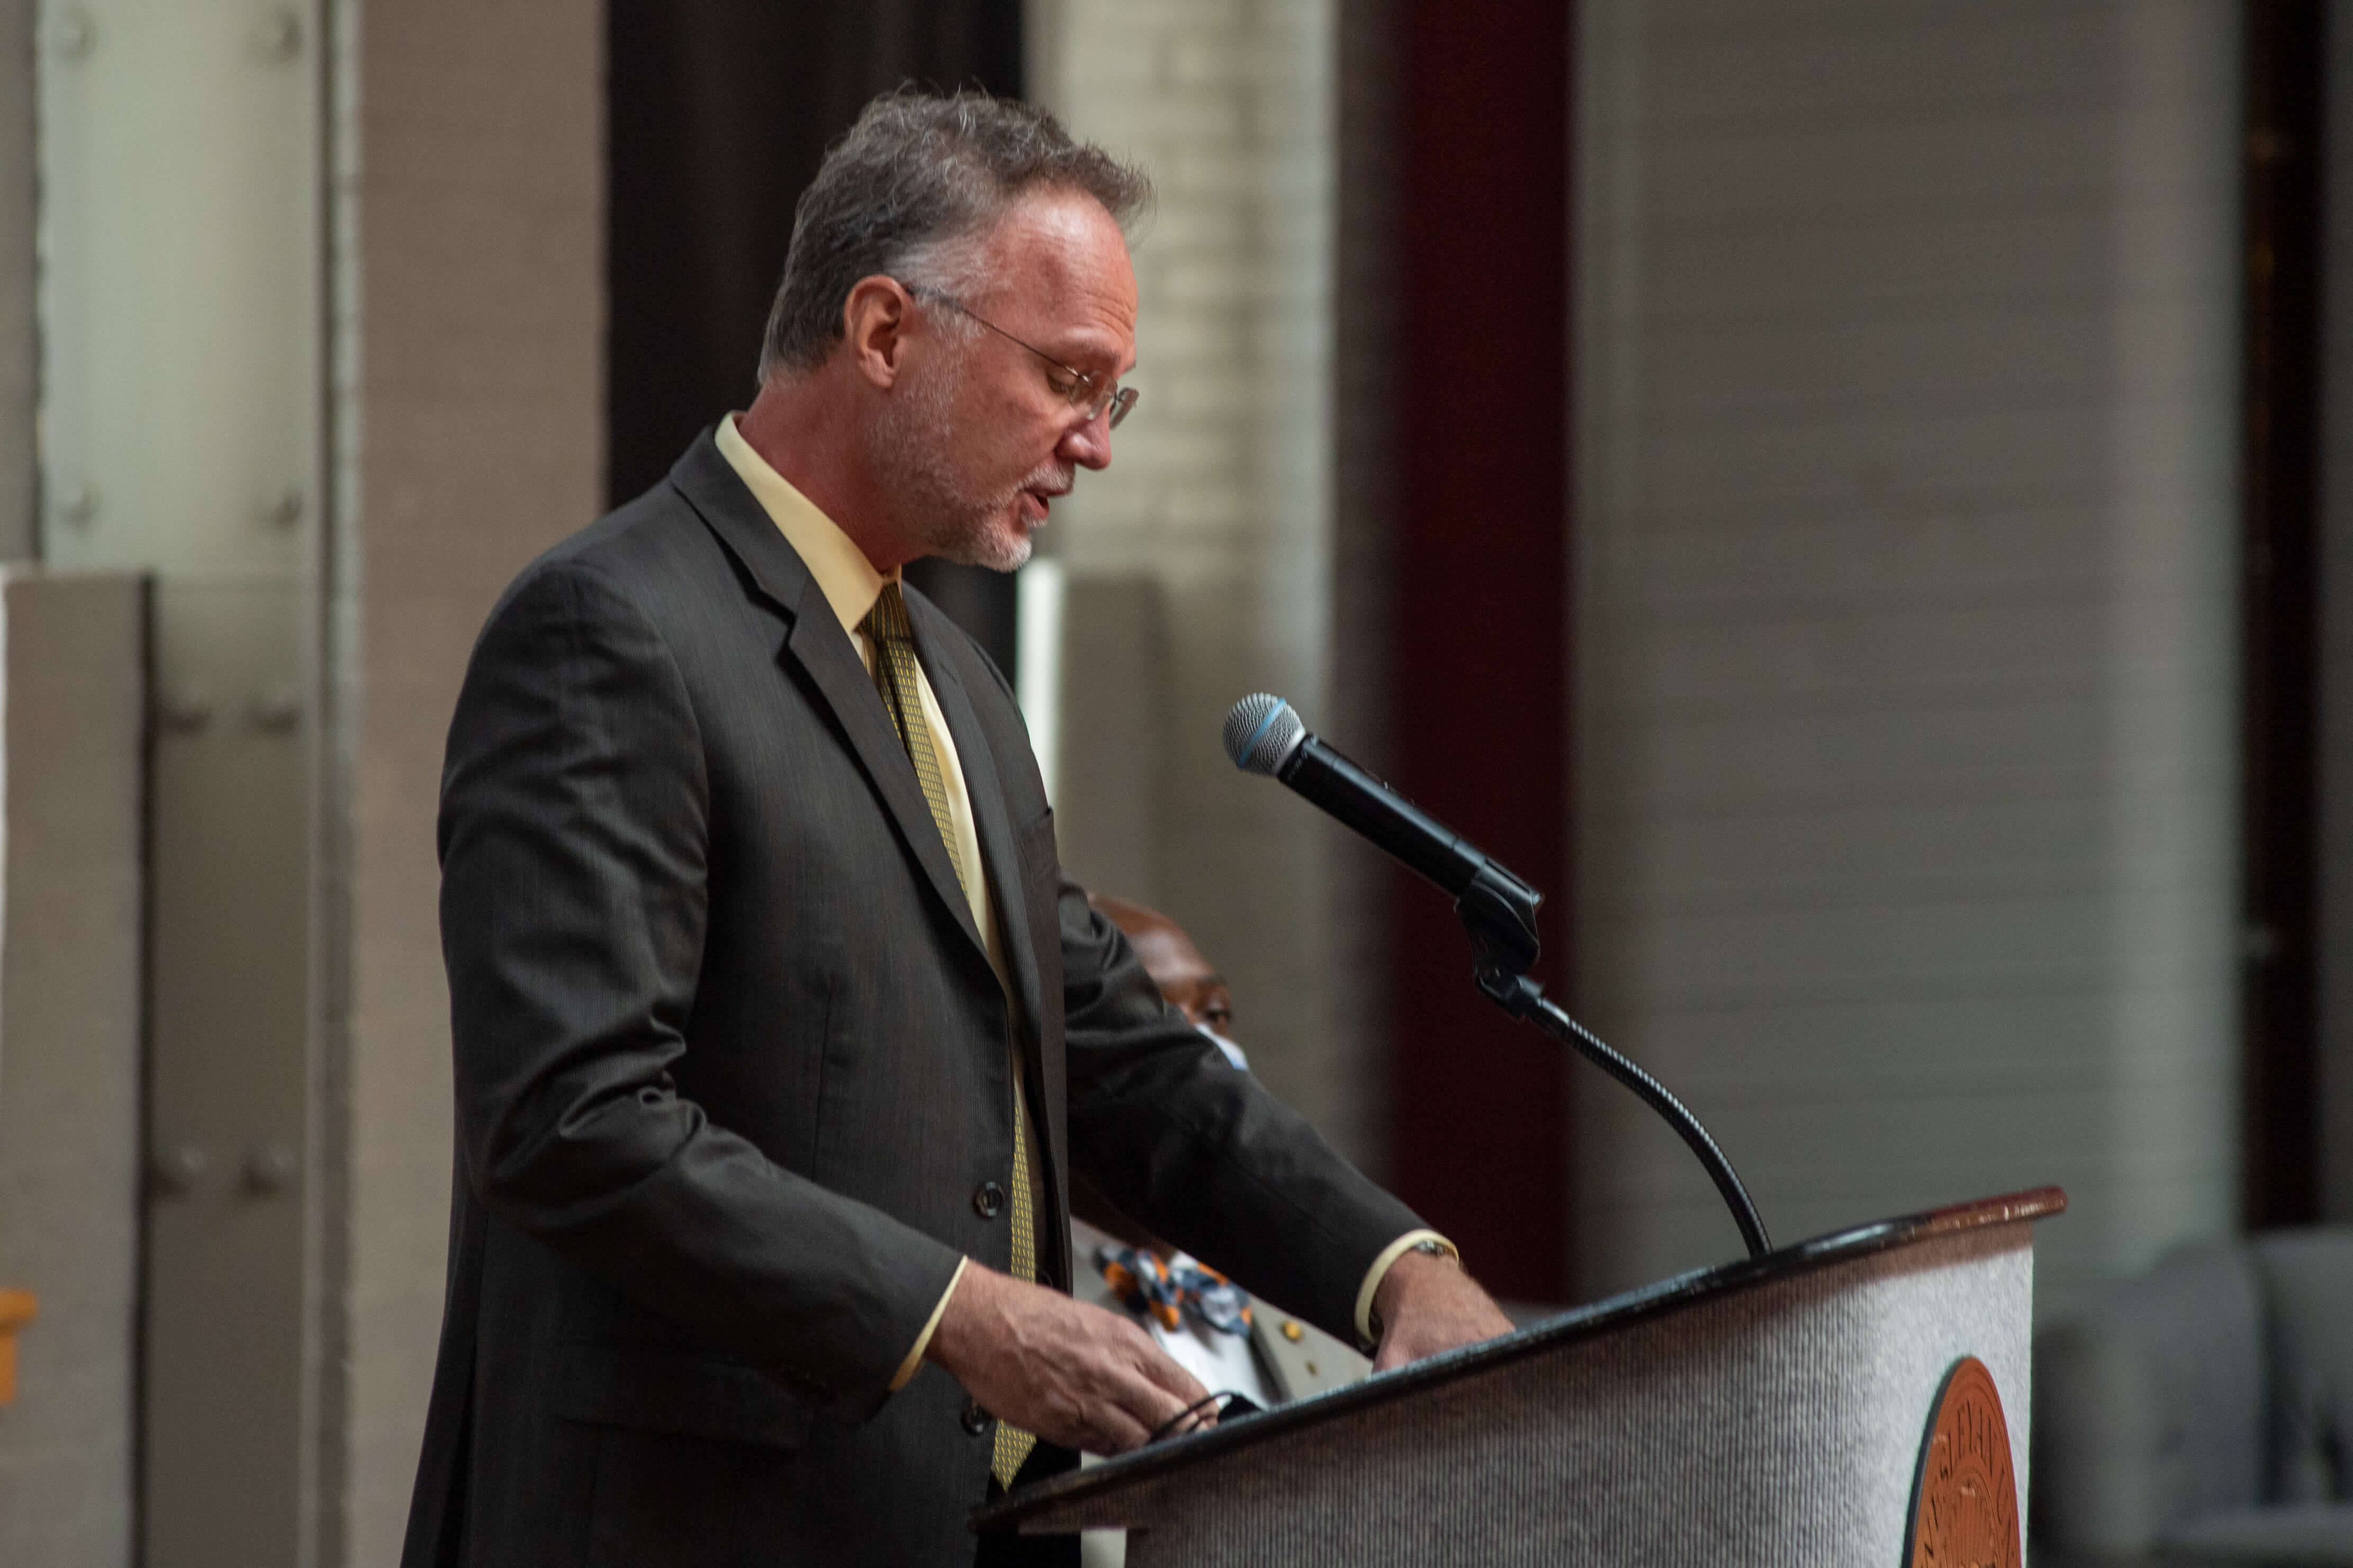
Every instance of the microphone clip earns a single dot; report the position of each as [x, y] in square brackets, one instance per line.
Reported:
[1499, 913]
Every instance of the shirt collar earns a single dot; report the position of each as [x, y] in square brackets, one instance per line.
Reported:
[849, 581]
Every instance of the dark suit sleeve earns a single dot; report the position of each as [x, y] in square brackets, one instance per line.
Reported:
[574, 838]
[1200, 1152]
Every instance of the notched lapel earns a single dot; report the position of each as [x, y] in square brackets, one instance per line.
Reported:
[819, 644]
[824, 651]
[710, 485]
[984, 783]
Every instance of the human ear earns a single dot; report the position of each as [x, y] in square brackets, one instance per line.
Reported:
[874, 328]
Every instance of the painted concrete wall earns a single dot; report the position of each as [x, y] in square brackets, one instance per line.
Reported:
[180, 435]
[73, 662]
[1908, 356]
[18, 357]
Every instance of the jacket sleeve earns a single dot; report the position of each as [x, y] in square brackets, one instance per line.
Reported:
[1198, 1151]
[574, 841]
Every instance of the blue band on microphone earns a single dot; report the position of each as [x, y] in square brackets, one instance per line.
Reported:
[1241, 758]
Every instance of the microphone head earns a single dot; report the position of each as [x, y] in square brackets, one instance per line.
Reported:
[1261, 731]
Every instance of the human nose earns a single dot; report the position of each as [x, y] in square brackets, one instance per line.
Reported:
[1088, 443]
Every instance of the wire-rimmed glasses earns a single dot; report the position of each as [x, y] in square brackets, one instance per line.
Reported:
[1087, 390]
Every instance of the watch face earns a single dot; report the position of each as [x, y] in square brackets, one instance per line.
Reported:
[1965, 1502]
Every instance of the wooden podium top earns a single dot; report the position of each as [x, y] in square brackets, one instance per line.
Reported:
[1669, 1296]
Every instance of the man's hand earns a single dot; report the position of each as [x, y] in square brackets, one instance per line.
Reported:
[1073, 1374]
[1428, 1304]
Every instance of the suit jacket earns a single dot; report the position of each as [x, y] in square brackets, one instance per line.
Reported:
[733, 1071]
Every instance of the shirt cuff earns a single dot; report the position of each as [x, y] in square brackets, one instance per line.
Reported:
[922, 1341]
[1378, 1273]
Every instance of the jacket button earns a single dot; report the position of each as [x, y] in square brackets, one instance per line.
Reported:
[975, 1420]
[987, 1200]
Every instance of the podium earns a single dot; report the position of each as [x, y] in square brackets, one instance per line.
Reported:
[1859, 1398]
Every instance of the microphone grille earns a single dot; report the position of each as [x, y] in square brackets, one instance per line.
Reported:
[1261, 731]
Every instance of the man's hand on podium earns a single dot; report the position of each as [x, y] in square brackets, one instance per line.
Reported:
[1428, 1304]
[1073, 1374]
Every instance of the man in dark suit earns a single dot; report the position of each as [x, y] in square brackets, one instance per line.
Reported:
[778, 1033]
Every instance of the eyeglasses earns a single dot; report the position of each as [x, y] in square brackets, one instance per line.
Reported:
[1087, 390]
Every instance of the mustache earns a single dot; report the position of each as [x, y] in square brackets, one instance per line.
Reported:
[1052, 480]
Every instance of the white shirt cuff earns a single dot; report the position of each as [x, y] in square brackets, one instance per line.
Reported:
[1380, 1272]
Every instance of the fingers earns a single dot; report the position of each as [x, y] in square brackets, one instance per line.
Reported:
[1068, 1371]
[1179, 1401]
[1115, 1431]
[1146, 1381]
[1154, 1390]
[1163, 1370]
[1118, 1409]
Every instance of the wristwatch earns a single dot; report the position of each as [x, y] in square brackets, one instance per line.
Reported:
[1430, 1245]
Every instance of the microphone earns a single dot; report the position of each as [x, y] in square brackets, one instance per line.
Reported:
[1498, 910]
[1263, 735]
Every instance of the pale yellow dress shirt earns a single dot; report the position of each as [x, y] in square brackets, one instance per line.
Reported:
[850, 586]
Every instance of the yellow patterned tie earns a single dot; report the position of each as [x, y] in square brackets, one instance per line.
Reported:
[895, 676]
[1013, 1445]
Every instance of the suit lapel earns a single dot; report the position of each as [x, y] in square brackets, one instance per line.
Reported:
[985, 784]
[987, 789]
[824, 653]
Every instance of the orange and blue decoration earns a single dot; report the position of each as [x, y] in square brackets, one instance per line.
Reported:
[1146, 1282]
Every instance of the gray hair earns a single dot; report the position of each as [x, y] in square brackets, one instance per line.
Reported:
[907, 192]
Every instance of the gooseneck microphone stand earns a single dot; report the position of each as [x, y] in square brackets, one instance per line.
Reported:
[1499, 911]
[1264, 736]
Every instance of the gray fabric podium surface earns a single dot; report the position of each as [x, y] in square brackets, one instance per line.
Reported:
[1770, 1411]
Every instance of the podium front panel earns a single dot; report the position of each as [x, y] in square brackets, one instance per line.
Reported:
[1758, 1415]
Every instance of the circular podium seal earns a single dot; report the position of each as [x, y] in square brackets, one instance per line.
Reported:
[1965, 1495]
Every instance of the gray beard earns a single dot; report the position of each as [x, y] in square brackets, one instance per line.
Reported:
[909, 446]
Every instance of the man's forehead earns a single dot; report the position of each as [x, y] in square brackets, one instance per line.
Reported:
[1062, 253]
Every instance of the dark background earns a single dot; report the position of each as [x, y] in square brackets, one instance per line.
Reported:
[719, 114]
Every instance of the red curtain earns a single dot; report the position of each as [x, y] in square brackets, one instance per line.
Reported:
[1480, 679]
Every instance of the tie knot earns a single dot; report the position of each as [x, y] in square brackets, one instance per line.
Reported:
[887, 621]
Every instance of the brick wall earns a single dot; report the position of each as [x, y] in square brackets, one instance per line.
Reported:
[1220, 487]
[1366, 282]
[469, 405]
[1908, 364]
